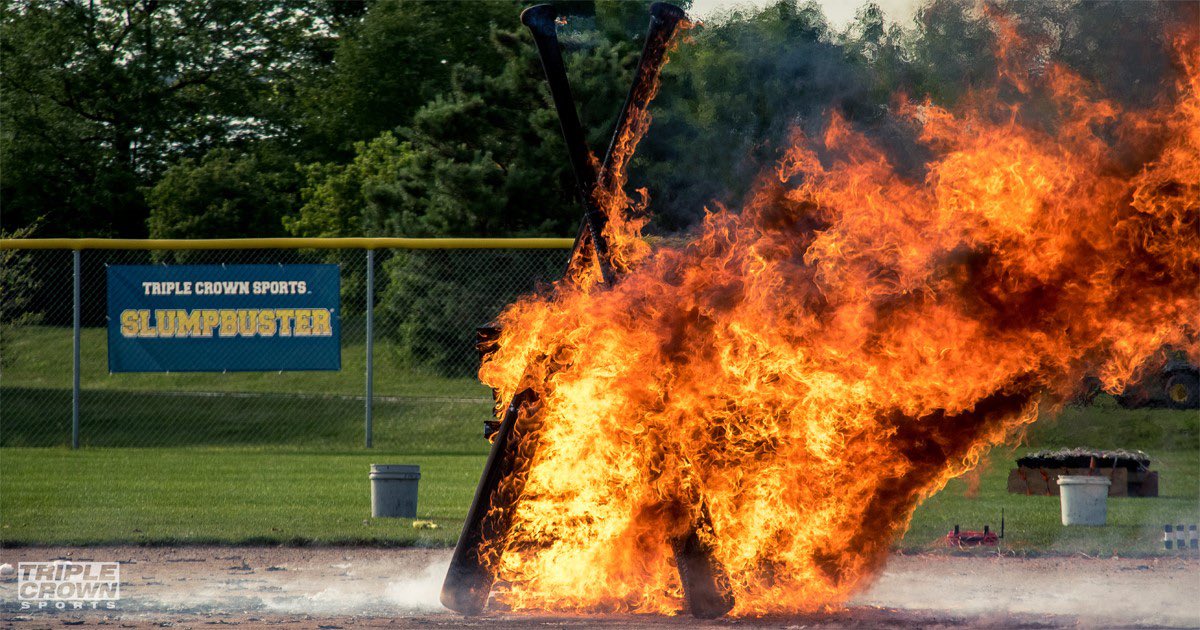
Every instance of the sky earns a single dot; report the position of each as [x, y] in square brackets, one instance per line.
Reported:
[839, 12]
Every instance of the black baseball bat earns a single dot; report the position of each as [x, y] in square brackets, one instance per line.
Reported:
[470, 575]
[542, 21]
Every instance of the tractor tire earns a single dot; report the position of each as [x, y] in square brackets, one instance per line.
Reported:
[1183, 390]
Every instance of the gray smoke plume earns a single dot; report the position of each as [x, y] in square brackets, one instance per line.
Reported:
[732, 95]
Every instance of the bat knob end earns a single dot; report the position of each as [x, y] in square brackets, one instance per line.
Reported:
[540, 17]
[666, 12]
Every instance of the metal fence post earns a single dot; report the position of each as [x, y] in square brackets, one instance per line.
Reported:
[370, 341]
[75, 361]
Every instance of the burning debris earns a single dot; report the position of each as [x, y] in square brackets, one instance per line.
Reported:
[1086, 457]
[1128, 472]
[748, 420]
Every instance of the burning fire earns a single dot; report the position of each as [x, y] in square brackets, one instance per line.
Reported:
[811, 368]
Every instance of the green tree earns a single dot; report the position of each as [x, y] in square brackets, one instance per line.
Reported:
[19, 282]
[729, 100]
[485, 158]
[395, 59]
[344, 199]
[97, 98]
[225, 194]
[951, 49]
[878, 49]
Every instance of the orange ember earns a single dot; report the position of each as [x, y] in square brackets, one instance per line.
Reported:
[815, 365]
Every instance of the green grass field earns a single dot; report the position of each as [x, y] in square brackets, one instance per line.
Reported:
[244, 459]
[235, 496]
[240, 496]
[246, 495]
[39, 357]
[42, 418]
[291, 409]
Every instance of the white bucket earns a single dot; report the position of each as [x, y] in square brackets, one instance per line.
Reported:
[394, 490]
[1084, 499]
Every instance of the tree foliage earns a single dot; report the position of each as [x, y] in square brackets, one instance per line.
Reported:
[485, 158]
[225, 194]
[401, 117]
[99, 98]
[732, 97]
[394, 59]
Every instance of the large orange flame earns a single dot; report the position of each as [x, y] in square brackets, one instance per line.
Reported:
[815, 365]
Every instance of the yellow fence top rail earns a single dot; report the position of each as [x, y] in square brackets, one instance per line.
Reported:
[286, 243]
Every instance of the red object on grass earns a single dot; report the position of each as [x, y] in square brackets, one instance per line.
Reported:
[970, 538]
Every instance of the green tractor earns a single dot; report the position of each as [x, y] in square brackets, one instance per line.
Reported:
[1175, 385]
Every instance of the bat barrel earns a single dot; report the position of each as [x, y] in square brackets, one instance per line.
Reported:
[470, 576]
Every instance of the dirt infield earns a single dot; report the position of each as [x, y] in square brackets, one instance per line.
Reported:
[329, 588]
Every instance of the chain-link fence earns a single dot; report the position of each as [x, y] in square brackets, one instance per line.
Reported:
[428, 303]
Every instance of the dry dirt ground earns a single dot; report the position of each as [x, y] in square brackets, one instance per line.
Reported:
[329, 588]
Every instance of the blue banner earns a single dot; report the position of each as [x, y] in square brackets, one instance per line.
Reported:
[223, 318]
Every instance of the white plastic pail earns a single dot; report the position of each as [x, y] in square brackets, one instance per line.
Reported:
[394, 490]
[1084, 499]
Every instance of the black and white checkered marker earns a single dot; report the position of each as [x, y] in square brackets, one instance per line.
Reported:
[1180, 538]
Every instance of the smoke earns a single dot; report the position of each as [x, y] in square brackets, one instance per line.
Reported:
[1079, 592]
[734, 94]
[838, 12]
[355, 588]
[420, 593]
[729, 99]
[416, 593]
